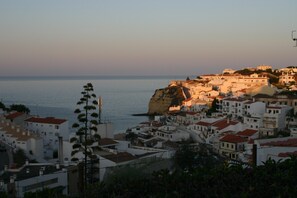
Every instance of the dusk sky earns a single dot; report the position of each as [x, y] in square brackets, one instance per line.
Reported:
[144, 37]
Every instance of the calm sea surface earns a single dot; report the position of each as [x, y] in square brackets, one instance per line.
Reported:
[57, 96]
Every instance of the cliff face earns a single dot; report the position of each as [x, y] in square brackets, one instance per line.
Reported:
[165, 98]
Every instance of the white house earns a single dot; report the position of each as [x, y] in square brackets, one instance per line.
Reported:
[275, 148]
[49, 129]
[232, 145]
[17, 138]
[31, 178]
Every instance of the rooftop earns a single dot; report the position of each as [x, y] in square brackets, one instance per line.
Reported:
[106, 142]
[29, 171]
[282, 143]
[221, 124]
[232, 139]
[14, 115]
[120, 157]
[247, 132]
[48, 120]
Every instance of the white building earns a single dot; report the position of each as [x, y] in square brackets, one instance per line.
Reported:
[17, 138]
[274, 119]
[264, 67]
[49, 129]
[275, 148]
[171, 133]
[31, 178]
[232, 145]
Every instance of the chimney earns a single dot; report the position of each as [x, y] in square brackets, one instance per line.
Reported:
[60, 154]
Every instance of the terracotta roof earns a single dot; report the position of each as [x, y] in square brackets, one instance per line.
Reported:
[106, 141]
[191, 113]
[203, 123]
[48, 120]
[14, 115]
[120, 157]
[247, 132]
[272, 107]
[287, 154]
[221, 124]
[232, 139]
[285, 143]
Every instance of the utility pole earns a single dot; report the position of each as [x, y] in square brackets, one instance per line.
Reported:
[100, 109]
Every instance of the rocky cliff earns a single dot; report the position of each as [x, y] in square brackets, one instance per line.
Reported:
[165, 98]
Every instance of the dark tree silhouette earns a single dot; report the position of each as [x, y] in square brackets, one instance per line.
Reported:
[2, 106]
[19, 108]
[86, 127]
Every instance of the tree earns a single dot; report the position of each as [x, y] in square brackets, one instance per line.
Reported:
[19, 108]
[2, 106]
[214, 107]
[86, 127]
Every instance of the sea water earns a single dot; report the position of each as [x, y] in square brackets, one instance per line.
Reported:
[57, 96]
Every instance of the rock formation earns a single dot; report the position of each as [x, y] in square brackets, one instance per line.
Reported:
[165, 98]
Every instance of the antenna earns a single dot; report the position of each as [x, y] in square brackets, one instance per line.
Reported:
[100, 108]
[294, 38]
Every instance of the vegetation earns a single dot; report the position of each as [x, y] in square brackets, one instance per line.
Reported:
[19, 108]
[86, 131]
[273, 179]
[214, 107]
[2, 106]
[15, 107]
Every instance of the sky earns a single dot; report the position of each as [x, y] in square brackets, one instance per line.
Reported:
[144, 37]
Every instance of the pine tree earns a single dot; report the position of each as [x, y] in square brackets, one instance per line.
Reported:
[86, 128]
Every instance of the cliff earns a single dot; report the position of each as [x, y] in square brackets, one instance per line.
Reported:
[165, 98]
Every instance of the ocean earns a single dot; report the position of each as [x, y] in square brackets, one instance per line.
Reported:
[57, 96]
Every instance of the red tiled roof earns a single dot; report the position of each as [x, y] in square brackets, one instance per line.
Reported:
[120, 157]
[221, 124]
[48, 120]
[247, 132]
[232, 139]
[284, 143]
[106, 141]
[203, 123]
[272, 107]
[14, 115]
[191, 113]
[287, 154]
